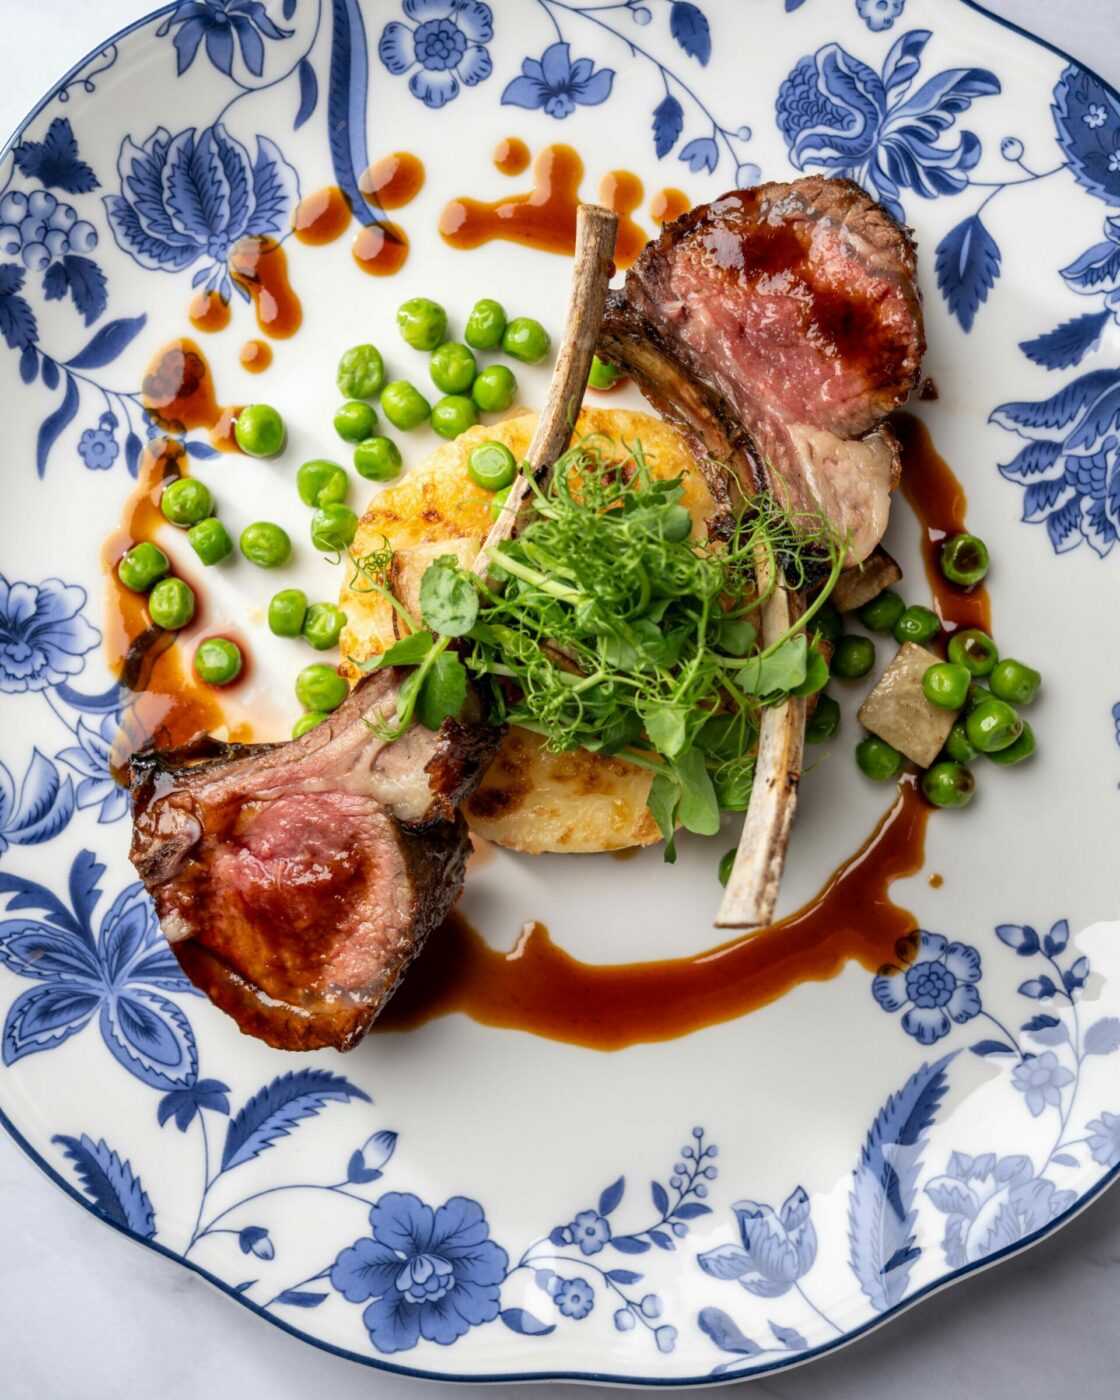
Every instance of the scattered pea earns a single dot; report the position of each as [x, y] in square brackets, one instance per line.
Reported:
[974, 650]
[964, 559]
[286, 612]
[603, 376]
[959, 748]
[186, 501]
[404, 405]
[217, 661]
[1022, 748]
[828, 624]
[727, 865]
[485, 325]
[377, 459]
[993, 725]
[422, 323]
[1013, 681]
[824, 721]
[945, 684]
[354, 420]
[265, 544]
[453, 414]
[494, 389]
[323, 625]
[320, 687]
[877, 760]
[259, 430]
[948, 785]
[491, 465]
[916, 624]
[881, 613]
[452, 367]
[308, 721]
[361, 372]
[333, 528]
[498, 501]
[210, 540]
[526, 340]
[322, 483]
[854, 657]
[144, 565]
[171, 603]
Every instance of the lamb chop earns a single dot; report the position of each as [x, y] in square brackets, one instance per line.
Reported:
[778, 326]
[296, 881]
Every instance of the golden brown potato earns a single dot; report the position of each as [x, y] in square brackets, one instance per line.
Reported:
[531, 799]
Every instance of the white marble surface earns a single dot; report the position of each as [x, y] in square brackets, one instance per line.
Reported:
[86, 1315]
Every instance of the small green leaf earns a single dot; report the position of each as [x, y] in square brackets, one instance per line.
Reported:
[816, 675]
[736, 636]
[668, 731]
[409, 651]
[727, 737]
[782, 670]
[733, 782]
[443, 692]
[699, 810]
[664, 798]
[448, 598]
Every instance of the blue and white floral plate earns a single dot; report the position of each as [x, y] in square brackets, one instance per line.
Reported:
[464, 1202]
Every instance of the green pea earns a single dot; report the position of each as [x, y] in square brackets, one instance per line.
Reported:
[354, 420]
[881, 613]
[323, 625]
[143, 565]
[727, 865]
[491, 465]
[494, 389]
[286, 611]
[485, 325]
[916, 624]
[333, 528]
[854, 657]
[993, 725]
[498, 501]
[265, 544]
[210, 541]
[526, 340]
[377, 459]
[404, 405]
[217, 661]
[876, 759]
[964, 559]
[816, 675]
[1022, 748]
[320, 687]
[828, 624]
[453, 414]
[361, 372]
[945, 685]
[824, 721]
[422, 323]
[452, 367]
[948, 785]
[958, 747]
[602, 375]
[1013, 681]
[308, 721]
[171, 603]
[974, 650]
[322, 483]
[186, 501]
[259, 430]
[976, 696]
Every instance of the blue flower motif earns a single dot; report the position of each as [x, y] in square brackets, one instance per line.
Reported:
[879, 14]
[555, 83]
[1087, 118]
[778, 1247]
[43, 636]
[936, 983]
[430, 1273]
[98, 449]
[838, 114]
[1041, 1079]
[1095, 115]
[194, 195]
[119, 975]
[183, 1104]
[701, 154]
[991, 1204]
[1104, 1139]
[590, 1231]
[220, 23]
[575, 1297]
[90, 760]
[446, 47]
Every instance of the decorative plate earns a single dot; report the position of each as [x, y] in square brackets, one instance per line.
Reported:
[465, 1201]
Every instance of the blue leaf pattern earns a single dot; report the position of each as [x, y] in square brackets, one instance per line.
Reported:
[1069, 343]
[967, 263]
[278, 1107]
[110, 1184]
[689, 26]
[668, 123]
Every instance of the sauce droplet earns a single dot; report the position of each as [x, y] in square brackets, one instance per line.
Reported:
[545, 218]
[322, 216]
[393, 181]
[380, 249]
[511, 156]
[260, 266]
[936, 881]
[255, 356]
[208, 312]
[669, 204]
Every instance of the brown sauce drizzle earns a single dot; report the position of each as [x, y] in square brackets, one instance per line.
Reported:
[255, 356]
[511, 156]
[545, 218]
[221, 434]
[208, 312]
[393, 181]
[669, 204]
[178, 391]
[938, 500]
[322, 216]
[259, 265]
[380, 249]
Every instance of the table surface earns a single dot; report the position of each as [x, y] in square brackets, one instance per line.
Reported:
[96, 1318]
